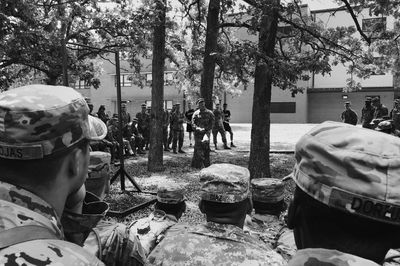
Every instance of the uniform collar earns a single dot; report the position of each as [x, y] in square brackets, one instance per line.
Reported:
[22, 207]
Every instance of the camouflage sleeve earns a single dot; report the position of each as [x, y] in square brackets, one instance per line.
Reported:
[120, 247]
[78, 226]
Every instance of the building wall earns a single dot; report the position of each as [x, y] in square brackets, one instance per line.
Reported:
[325, 97]
[241, 107]
[134, 96]
[323, 106]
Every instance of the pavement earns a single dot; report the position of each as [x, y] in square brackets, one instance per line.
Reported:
[283, 138]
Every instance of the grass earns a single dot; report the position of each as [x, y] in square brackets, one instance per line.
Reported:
[178, 170]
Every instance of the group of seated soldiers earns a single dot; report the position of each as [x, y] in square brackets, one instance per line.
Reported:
[135, 135]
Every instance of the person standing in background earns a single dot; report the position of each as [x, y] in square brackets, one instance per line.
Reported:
[189, 115]
[227, 126]
[349, 116]
[367, 113]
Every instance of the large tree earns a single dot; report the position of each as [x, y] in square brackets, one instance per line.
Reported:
[155, 162]
[39, 35]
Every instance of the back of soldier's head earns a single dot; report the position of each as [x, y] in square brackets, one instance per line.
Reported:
[225, 192]
[171, 200]
[39, 126]
[347, 190]
[268, 196]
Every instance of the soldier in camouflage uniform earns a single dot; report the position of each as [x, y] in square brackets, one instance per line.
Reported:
[168, 210]
[267, 222]
[202, 123]
[367, 113]
[177, 119]
[44, 154]
[346, 206]
[380, 110]
[348, 115]
[218, 127]
[171, 132]
[144, 125]
[126, 117]
[225, 200]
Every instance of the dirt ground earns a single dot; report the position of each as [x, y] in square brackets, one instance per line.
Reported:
[178, 171]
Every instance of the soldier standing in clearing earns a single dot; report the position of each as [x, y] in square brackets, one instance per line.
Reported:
[341, 213]
[126, 117]
[227, 126]
[43, 173]
[218, 127]
[144, 125]
[202, 122]
[177, 119]
[380, 109]
[367, 113]
[225, 200]
[349, 116]
[171, 131]
[189, 115]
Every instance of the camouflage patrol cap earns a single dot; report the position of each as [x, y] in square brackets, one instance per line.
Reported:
[352, 169]
[269, 190]
[320, 256]
[170, 194]
[39, 120]
[225, 183]
[143, 105]
[368, 99]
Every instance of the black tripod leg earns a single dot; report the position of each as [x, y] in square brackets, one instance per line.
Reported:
[115, 176]
[136, 185]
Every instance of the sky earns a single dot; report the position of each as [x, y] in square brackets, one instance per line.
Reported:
[320, 4]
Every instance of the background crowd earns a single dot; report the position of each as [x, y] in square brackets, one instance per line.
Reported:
[136, 130]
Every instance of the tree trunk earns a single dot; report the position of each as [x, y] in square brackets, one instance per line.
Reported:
[64, 63]
[260, 143]
[155, 162]
[207, 77]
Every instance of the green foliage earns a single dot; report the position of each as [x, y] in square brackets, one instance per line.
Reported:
[33, 34]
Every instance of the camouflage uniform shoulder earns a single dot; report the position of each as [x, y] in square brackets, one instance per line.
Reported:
[47, 252]
[202, 245]
[119, 245]
[319, 256]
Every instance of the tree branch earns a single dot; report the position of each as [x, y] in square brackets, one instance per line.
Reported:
[351, 11]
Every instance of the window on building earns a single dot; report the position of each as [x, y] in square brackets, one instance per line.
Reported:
[126, 80]
[168, 105]
[168, 78]
[374, 24]
[80, 84]
[283, 107]
[149, 79]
